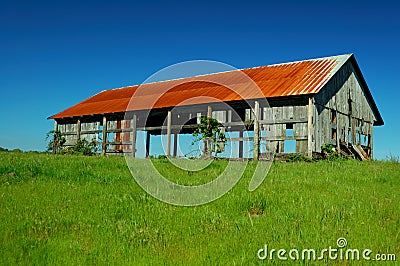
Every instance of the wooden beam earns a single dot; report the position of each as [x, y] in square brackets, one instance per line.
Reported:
[104, 136]
[133, 139]
[169, 133]
[231, 124]
[277, 138]
[119, 130]
[283, 121]
[90, 131]
[310, 127]
[156, 128]
[256, 130]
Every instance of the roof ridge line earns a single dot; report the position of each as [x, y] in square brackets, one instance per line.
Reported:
[239, 69]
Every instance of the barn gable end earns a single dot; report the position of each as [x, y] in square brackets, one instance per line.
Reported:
[345, 111]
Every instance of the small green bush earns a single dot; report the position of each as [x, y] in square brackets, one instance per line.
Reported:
[329, 152]
[56, 141]
[296, 157]
[82, 147]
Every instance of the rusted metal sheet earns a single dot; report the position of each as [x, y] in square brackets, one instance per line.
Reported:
[289, 79]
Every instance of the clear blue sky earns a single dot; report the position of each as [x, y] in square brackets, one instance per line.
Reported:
[56, 53]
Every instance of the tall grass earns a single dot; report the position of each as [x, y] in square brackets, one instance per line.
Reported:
[89, 210]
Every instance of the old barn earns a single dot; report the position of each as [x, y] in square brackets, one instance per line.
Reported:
[306, 103]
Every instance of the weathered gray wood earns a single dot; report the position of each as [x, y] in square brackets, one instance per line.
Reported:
[256, 131]
[169, 133]
[269, 138]
[220, 116]
[229, 118]
[104, 136]
[78, 129]
[174, 127]
[283, 121]
[159, 128]
[335, 95]
[90, 132]
[119, 143]
[310, 127]
[119, 130]
[134, 134]
[54, 143]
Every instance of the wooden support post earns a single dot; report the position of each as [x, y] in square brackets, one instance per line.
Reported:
[78, 130]
[147, 144]
[256, 130]
[353, 131]
[169, 118]
[104, 136]
[176, 144]
[54, 137]
[207, 144]
[337, 127]
[310, 127]
[209, 112]
[337, 135]
[133, 139]
[229, 117]
[241, 143]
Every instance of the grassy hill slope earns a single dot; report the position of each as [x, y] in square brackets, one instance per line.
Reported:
[89, 210]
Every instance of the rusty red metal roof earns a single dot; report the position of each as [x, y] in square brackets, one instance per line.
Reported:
[288, 79]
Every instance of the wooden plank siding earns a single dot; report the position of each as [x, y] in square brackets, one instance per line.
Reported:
[345, 98]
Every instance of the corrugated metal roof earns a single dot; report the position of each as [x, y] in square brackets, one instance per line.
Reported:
[288, 79]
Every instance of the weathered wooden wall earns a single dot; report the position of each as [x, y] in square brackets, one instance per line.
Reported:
[277, 121]
[342, 112]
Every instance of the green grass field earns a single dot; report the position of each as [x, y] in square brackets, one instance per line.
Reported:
[77, 210]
